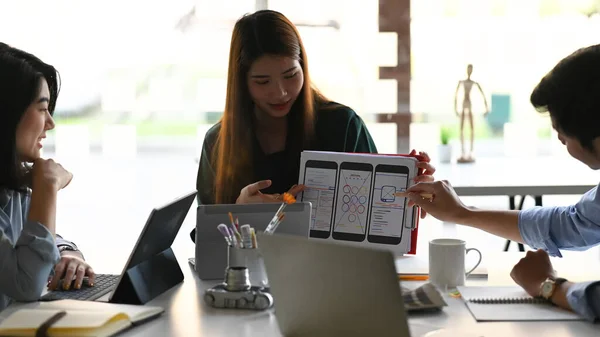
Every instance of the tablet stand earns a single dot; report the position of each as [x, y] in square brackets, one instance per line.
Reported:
[150, 278]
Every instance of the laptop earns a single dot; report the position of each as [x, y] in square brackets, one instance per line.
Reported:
[151, 268]
[332, 289]
[210, 258]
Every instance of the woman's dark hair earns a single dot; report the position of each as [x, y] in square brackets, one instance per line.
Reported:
[570, 92]
[20, 77]
[265, 32]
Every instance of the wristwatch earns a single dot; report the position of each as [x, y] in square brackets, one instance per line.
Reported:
[63, 248]
[549, 286]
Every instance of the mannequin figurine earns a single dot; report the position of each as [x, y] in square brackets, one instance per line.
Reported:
[467, 113]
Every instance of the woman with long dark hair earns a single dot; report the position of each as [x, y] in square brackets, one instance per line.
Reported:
[29, 247]
[272, 113]
[270, 116]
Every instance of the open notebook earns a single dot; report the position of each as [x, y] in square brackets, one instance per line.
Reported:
[75, 318]
[511, 304]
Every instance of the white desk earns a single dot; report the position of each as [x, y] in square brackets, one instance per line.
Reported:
[187, 315]
[515, 176]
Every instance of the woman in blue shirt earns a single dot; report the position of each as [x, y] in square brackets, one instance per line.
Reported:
[29, 246]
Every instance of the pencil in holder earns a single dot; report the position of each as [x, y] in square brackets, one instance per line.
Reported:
[252, 259]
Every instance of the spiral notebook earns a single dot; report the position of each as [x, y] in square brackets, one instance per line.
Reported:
[511, 304]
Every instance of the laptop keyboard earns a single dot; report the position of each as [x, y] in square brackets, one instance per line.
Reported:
[103, 284]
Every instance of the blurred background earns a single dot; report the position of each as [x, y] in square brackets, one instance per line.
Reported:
[142, 81]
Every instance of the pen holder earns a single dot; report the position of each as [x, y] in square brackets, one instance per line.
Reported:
[252, 259]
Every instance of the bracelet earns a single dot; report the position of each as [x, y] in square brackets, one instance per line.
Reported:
[69, 248]
[63, 248]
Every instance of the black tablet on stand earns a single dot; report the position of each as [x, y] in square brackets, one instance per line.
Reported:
[152, 267]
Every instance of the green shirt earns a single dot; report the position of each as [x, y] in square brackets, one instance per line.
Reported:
[337, 129]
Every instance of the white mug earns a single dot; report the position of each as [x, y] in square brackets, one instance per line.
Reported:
[447, 262]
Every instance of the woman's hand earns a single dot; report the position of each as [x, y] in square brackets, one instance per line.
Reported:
[71, 265]
[252, 194]
[294, 190]
[49, 174]
[47, 178]
[427, 175]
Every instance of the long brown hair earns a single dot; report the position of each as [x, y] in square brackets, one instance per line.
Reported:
[264, 32]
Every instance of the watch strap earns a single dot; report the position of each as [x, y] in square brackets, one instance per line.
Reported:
[559, 280]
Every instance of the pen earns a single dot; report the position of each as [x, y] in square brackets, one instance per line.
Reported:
[405, 195]
[287, 199]
[235, 231]
[403, 277]
[225, 231]
[246, 236]
[276, 224]
[254, 241]
[231, 220]
[234, 239]
[238, 238]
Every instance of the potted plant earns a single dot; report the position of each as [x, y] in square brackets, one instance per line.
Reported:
[445, 149]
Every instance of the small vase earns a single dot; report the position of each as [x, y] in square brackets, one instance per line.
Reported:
[445, 153]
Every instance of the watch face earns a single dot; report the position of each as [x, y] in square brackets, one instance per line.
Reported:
[547, 289]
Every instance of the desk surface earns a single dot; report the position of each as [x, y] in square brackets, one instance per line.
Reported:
[518, 176]
[187, 315]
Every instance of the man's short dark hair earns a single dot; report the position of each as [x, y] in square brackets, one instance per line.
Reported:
[20, 76]
[570, 92]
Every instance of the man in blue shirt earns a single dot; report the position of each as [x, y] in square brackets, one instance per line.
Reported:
[571, 94]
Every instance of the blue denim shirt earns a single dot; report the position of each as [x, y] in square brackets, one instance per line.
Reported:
[575, 227]
[28, 251]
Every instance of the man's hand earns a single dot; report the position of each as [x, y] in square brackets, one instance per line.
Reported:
[445, 205]
[71, 265]
[532, 270]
